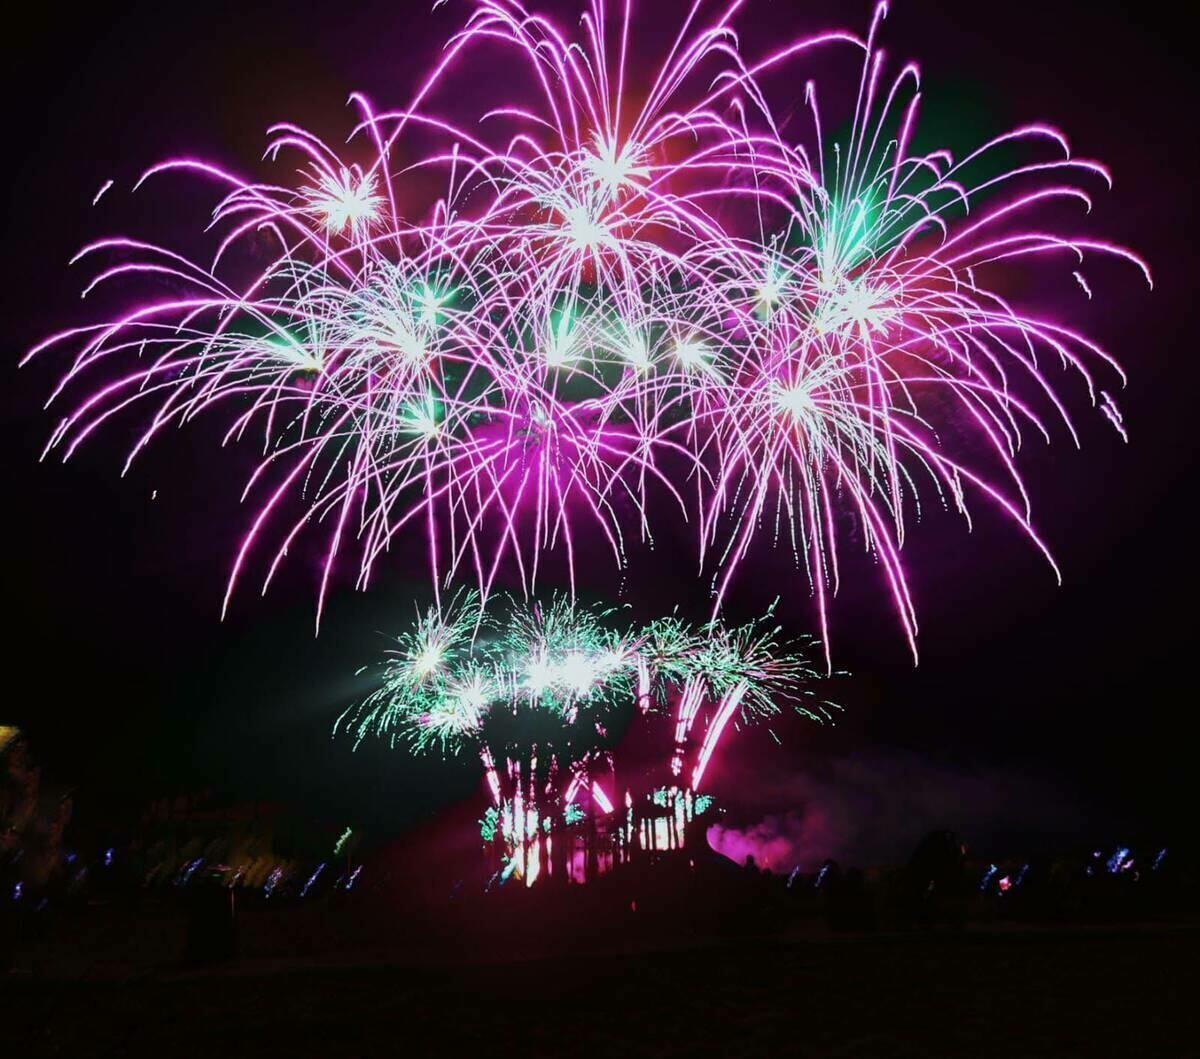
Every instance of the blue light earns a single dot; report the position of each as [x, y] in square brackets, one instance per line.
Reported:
[312, 879]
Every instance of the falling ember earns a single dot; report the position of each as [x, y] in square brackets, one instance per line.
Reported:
[1109, 407]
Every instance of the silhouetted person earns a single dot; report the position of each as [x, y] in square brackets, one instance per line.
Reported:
[848, 905]
[936, 879]
[212, 930]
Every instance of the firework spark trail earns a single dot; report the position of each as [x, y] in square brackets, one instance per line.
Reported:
[542, 692]
[630, 295]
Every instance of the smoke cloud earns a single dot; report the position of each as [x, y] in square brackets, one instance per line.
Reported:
[872, 807]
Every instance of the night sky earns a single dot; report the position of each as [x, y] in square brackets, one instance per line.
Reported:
[1062, 709]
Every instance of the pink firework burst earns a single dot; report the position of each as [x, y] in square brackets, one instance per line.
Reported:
[638, 292]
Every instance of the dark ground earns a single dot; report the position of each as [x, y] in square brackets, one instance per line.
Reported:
[1055, 992]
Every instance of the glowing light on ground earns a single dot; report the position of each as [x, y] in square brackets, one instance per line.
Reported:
[542, 692]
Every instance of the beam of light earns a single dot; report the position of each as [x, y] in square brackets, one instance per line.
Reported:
[724, 713]
[602, 799]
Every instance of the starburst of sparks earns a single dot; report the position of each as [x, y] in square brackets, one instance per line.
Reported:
[618, 307]
[465, 665]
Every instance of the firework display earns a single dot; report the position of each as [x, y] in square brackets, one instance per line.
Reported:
[543, 693]
[618, 294]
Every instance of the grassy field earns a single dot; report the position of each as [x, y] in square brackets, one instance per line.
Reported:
[1014, 993]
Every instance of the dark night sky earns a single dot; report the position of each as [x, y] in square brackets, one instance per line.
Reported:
[130, 687]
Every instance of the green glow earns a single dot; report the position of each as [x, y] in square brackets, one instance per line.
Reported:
[305, 356]
[560, 348]
[429, 302]
[847, 235]
[548, 681]
[693, 355]
[421, 419]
